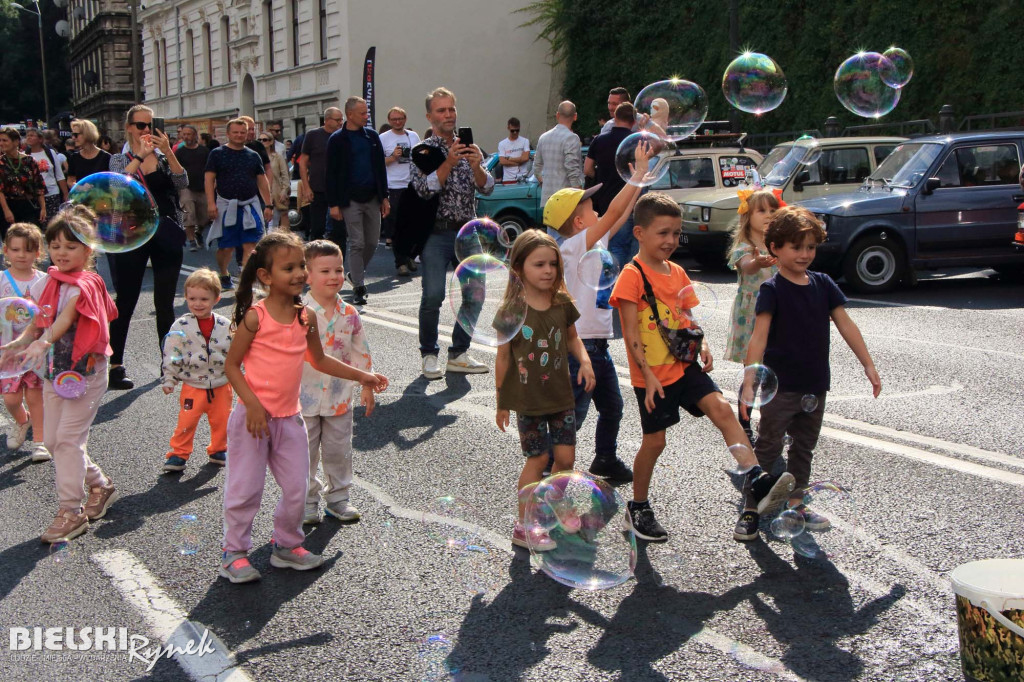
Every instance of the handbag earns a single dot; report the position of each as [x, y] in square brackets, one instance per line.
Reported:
[683, 344]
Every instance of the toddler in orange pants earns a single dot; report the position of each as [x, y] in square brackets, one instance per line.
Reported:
[194, 353]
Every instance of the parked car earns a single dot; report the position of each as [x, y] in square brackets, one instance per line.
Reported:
[936, 201]
[845, 162]
[513, 205]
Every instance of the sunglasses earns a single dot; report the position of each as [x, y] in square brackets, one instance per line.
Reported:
[141, 125]
[75, 134]
[513, 130]
[264, 139]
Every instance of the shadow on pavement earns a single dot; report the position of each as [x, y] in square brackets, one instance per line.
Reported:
[113, 408]
[171, 492]
[415, 409]
[11, 477]
[18, 561]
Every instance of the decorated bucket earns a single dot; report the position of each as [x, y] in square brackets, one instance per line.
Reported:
[990, 612]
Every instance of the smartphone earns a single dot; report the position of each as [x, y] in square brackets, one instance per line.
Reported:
[158, 124]
[465, 135]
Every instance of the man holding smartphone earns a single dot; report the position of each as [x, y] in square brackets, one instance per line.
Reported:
[455, 183]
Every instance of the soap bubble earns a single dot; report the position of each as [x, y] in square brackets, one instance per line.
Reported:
[900, 69]
[788, 524]
[446, 521]
[16, 314]
[860, 88]
[836, 504]
[626, 155]
[806, 150]
[488, 299]
[736, 453]
[433, 654]
[482, 236]
[757, 385]
[174, 344]
[186, 534]
[127, 216]
[598, 268]
[676, 107]
[809, 403]
[61, 552]
[583, 516]
[754, 83]
[696, 302]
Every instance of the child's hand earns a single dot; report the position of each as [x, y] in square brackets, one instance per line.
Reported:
[256, 421]
[368, 400]
[502, 419]
[36, 352]
[168, 390]
[586, 377]
[876, 381]
[378, 382]
[763, 260]
[653, 387]
[643, 154]
[705, 357]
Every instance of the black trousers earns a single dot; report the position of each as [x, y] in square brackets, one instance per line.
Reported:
[322, 226]
[24, 211]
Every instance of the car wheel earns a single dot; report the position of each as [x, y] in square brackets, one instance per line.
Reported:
[875, 264]
[512, 226]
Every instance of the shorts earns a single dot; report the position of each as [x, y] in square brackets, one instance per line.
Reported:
[538, 432]
[233, 237]
[15, 384]
[684, 393]
[193, 205]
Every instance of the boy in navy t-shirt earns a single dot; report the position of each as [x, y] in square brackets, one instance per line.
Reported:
[791, 336]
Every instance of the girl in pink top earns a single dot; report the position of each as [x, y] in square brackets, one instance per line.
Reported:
[272, 339]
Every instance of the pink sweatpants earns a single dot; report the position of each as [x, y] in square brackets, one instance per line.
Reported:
[286, 453]
[66, 426]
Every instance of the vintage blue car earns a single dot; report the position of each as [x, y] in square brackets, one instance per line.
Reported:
[936, 201]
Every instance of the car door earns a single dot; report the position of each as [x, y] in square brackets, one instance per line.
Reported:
[973, 213]
[840, 169]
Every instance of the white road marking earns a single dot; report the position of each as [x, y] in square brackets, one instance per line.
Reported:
[959, 348]
[166, 620]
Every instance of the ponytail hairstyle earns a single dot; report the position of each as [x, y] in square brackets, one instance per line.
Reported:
[73, 222]
[263, 257]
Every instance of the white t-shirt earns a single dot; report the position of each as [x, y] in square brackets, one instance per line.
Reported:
[595, 312]
[50, 174]
[513, 149]
[398, 172]
[279, 147]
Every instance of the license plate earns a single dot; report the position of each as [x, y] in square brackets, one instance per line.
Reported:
[685, 239]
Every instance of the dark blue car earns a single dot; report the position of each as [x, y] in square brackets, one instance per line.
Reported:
[936, 201]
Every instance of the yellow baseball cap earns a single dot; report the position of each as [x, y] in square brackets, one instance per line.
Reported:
[562, 203]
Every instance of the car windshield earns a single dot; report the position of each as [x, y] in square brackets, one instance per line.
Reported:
[774, 172]
[907, 164]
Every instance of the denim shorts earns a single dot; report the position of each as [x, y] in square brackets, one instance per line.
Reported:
[537, 433]
[686, 392]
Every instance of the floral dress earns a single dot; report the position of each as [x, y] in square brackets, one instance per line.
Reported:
[743, 306]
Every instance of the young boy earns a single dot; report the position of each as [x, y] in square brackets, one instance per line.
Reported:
[662, 383]
[194, 353]
[791, 336]
[571, 212]
[327, 401]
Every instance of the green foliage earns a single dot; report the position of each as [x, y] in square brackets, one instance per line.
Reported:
[20, 64]
[954, 45]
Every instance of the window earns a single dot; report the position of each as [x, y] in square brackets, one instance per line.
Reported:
[293, 20]
[882, 152]
[323, 29]
[208, 54]
[190, 59]
[268, 23]
[225, 51]
[158, 61]
[981, 166]
[949, 172]
[838, 167]
[163, 54]
[687, 173]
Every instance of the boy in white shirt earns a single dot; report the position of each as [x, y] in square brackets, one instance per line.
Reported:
[513, 153]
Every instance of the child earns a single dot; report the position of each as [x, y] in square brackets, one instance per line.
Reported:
[272, 338]
[23, 247]
[662, 382]
[194, 353]
[74, 348]
[791, 335]
[531, 372]
[753, 267]
[326, 401]
[571, 212]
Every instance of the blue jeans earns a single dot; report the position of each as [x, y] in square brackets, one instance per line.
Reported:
[606, 396]
[623, 245]
[438, 253]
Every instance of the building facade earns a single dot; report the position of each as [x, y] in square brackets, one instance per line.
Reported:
[288, 60]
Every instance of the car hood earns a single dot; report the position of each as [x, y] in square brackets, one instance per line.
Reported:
[862, 202]
[712, 197]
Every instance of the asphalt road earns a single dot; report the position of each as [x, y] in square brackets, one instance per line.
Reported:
[935, 467]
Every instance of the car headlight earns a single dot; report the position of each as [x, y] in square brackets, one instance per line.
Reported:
[705, 214]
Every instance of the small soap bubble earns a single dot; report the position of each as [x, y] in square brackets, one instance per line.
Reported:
[434, 658]
[754, 83]
[827, 504]
[482, 236]
[860, 88]
[787, 525]
[186, 534]
[16, 314]
[448, 533]
[61, 552]
[737, 452]
[657, 166]
[174, 344]
[488, 299]
[806, 150]
[809, 403]
[598, 268]
[900, 69]
[676, 107]
[126, 213]
[757, 385]
[696, 302]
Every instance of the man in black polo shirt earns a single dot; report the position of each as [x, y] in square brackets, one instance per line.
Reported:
[313, 172]
[192, 157]
[600, 162]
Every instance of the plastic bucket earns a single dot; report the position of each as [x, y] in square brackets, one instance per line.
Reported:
[990, 612]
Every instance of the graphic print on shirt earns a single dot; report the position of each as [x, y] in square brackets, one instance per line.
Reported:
[655, 350]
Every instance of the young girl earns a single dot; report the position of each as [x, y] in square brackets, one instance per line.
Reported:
[532, 370]
[272, 338]
[750, 259]
[73, 349]
[23, 247]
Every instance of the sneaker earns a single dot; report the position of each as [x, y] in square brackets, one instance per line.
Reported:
[359, 296]
[117, 379]
[746, 526]
[431, 370]
[466, 364]
[99, 500]
[412, 264]
[539, 540]
[343, 511]
[225, 285]
[175, 463]
[193, 245]
[235, 567]
[16, 433]
[611, 469]
[299, 558]
[812, 519]
[404, 271]
[771, 492]
[219, 458]
[643, 524]
[67, 525]
[40, 453]
[312, 514]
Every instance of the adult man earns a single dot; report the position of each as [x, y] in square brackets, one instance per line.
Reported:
[397, 142]
[51, 170]
[357, 188]
[252, 143]
[455, 184]
[236, 182]
[513, 153]
[557, 163]
[616, 96]
[313, 171]
[193, 156]
[600, 163]
[276, 130]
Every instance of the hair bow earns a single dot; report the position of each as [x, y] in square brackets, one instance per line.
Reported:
[745, 194]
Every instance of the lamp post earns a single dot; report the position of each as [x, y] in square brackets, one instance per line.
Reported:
[42, 52]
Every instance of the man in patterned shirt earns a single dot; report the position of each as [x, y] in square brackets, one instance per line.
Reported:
[455, 183]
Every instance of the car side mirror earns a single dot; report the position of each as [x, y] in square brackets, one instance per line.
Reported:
[930, 185]
[799, 180]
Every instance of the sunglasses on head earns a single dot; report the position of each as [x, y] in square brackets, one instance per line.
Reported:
[141, 125]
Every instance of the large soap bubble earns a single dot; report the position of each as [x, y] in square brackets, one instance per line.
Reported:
[676, 107]
[481, 235]
[754, 83]
[488, 299]
[598, 268]
[757, 385]
[625, 157]
[16, 314]
[900, 69]
[126, 214]
[583, 516]
[860, 87]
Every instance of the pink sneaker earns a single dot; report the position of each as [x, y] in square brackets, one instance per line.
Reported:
[567, 517]
[539, 541]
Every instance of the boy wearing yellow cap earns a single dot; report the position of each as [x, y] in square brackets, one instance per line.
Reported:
[571, 212]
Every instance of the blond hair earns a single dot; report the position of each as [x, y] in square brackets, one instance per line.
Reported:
[439, 93]
[757, 200]
[240, 121]
[87, 129]
[129, 117]
[204, 278]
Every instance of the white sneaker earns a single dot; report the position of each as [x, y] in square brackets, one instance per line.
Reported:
[343, 511]
[16, 433]
[466, 364]
[40, 453]
[311, 515]
[431, 369]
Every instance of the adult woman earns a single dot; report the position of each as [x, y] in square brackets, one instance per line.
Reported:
[150, 160]
[280, 183]
[106, 144]
[89, 158]
[22, 190]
